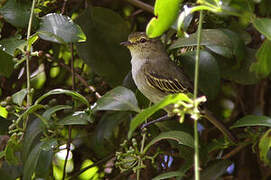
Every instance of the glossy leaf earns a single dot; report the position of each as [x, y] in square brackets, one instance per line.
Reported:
[73, 94]
[108, 124]
[17, 13]
[263, 65]
[216, 170]
[31, 137]
[164, 17]
[179, 136]
[19, 96]
[264, 146]
[31, 162]
[77, 118]
[49, 145]
[11, 44]
[118, 99]
[252, 120]
[105, 29]
[49, 112]
[167, 175]
[146, 113]
[6, 64]
[209, 72]
[240, 74]
[60, 29]
[263, 25]
[44, 164]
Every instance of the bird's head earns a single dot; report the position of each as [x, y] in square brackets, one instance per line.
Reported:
[140, 43]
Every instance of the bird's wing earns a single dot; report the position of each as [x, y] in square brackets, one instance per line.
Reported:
[165, 84]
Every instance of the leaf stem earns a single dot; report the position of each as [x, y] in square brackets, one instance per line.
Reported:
[28, 54]
[196, 136]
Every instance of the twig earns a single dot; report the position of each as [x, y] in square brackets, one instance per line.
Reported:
[237, 149]
[28, 53]
[64, 6]
[70, 127]
[141, 5]
[78, 76]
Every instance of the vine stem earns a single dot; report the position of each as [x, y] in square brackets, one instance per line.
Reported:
[196, 135]
[70, 127]
[28, 54]
[141, 151]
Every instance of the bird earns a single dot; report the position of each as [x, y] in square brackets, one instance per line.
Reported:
[157, 76]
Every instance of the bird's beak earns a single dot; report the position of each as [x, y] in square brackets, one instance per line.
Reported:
[126, 43]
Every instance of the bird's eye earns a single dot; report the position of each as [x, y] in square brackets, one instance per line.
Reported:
[142, 40]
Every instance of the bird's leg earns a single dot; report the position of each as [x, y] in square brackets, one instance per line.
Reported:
[163, 118]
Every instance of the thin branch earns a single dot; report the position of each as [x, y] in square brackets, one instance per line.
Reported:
[237, 149]
[70, 127]
[196, 136]
[142, 5]
[78, 76]
[28, 54]
[92, 165]
[64, 6]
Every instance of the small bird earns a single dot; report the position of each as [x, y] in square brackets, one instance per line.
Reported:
[156, 76]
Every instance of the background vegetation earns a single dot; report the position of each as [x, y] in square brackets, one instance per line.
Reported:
[65, 87]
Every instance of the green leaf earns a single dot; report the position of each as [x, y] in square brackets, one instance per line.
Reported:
[11, 44]
[31, 137]
[215, 170]
[264, 146]
[11, 150]
[210, 37]
[49, 144]
[17, 13]
[77, 118]
[118, 99]
[6, 64]
[31, 110]
[252, 120]
[179, 136]
[48, 113]
[19, 96]
[31, 162]
[263, 25]
[167, 175]
[146, 113]
[59, 28]
[240, 74]
[73, 94]
[263, 65]
[2, 154]
[108, 124]
[105, 29]
[209, 72]
[164, 17]
[44, 164]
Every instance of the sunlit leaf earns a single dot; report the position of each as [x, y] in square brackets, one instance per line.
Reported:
[263, 25]
[164, 17]
[264, 146]
[263, 65]
[146, 113]
[19, 96]
[118, 99]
